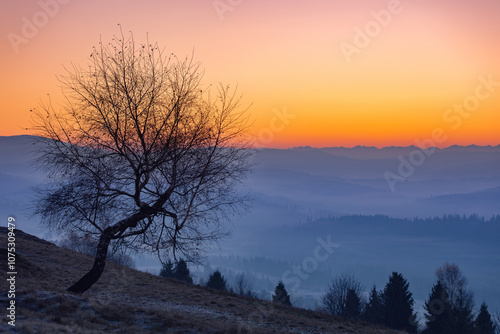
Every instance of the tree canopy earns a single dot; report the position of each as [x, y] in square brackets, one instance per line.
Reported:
[373, 311]
[398, 304]
[438, 311]
[483, 323]
[217, 281]
[280, 295]
[335, 299]
[141, 154]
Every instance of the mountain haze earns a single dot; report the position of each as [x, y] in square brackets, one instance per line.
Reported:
[299, 195]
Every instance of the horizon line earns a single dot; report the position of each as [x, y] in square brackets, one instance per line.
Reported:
[337, 147]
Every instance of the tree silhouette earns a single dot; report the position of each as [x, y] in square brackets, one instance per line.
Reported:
[141, 155]
[374, 309]
[168, 270]
[450, 275]
[335, 299]
[352, 305]
[182, 272]
[463, 314]
[243, 286]
[483, 323]
[439, 317]
[398, 304]
[217, 281]
[280, 295]
[460, 297]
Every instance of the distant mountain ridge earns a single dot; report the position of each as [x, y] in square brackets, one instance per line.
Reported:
[372, 152]
[359, 147]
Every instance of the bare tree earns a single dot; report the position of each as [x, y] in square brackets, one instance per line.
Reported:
[335, 299]
[460, 298]
[243, 285]
[450, 275]
[140, 154]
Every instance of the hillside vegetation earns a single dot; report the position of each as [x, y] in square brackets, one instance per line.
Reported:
[129, 301]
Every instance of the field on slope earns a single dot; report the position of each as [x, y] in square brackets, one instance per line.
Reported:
[129, 301]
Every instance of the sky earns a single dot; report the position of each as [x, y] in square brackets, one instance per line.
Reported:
[318, 73]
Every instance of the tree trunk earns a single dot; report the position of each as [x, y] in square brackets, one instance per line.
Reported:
[93, 275]
[110, 233]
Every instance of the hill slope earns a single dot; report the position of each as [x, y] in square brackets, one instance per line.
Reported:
[129, 301]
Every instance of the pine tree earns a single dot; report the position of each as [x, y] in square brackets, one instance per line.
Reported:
[217, 281]
[439, 319]
[182, 272]
[374, 309]
[280, 295]
[462, 313]
[352, 305]
[167, 270]
[398, 304]
[483, 323]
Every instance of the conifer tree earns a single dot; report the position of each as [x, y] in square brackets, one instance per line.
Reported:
[217, 281]
[182, 272]
[352, 305]
[463, 316]
[280, 295]
[167, 270]
[483, 323]
[374, 309]
[398, 304]
[438, 310]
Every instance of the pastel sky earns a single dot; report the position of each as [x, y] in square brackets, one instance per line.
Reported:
[320, 72]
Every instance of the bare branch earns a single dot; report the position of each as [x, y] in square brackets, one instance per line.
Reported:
[139, 151]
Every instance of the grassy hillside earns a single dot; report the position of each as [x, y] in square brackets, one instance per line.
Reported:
[129, 301]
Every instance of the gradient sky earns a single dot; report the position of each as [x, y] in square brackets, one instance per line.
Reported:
[285, 57]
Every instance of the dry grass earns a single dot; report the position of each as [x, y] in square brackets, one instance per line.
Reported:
[129, 301]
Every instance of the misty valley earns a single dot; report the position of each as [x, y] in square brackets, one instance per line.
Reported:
[447, 211]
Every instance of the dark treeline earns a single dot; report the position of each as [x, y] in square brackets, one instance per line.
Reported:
[449, 309]
[449, 305]
[375, 219]
[485, 228]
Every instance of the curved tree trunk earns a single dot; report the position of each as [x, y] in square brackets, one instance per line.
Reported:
[93, 275]
[111, 232]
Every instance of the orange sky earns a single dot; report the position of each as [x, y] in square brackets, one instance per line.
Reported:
[286, 58]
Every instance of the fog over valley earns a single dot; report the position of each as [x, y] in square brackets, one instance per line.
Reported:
[317, 213]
